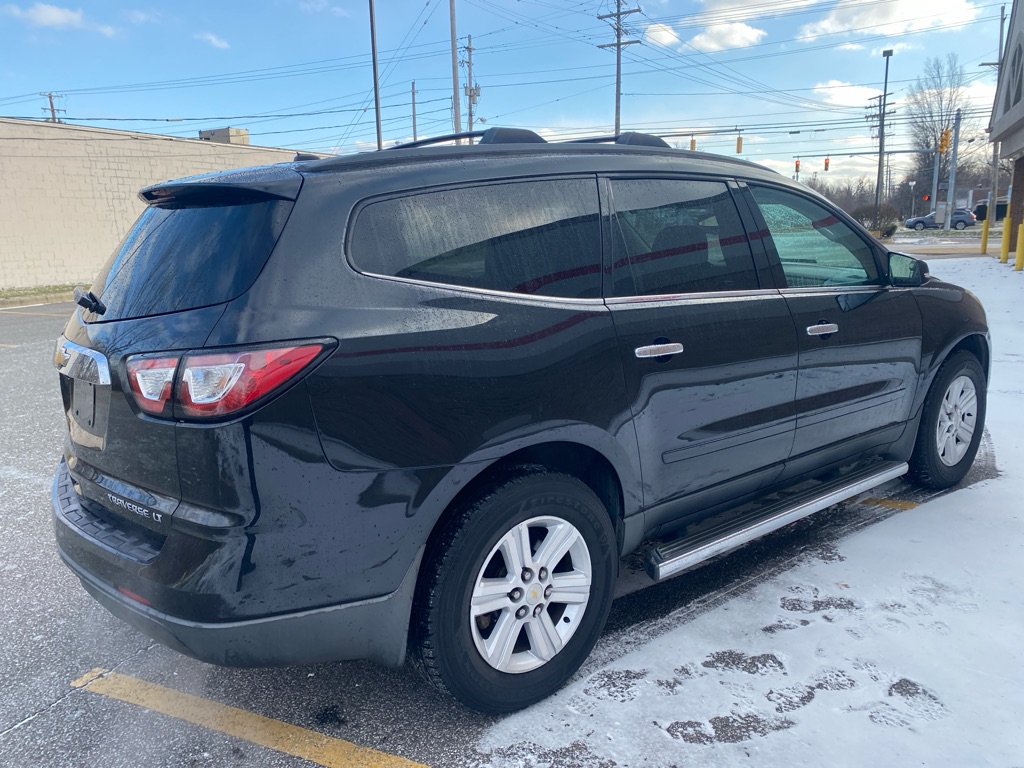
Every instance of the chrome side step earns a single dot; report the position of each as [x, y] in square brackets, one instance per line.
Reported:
[680, 555]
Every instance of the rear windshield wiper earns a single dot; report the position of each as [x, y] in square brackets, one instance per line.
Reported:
[88, 300]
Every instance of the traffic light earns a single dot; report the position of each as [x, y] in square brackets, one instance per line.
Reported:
[739, 145]
[926, 198]
[944, 138]
[693, 144]
[826, 163]
[798, 166]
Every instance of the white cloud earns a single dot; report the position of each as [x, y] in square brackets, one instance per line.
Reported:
[895, 48]
[662, 34]
[323, 6]
[844, 94]
[212, 39]
[850, 47]
[144, 17]
[890, 18]
[55, 17]
[718, 37]
[761, 10]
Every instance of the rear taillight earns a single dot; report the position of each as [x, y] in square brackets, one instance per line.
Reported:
[222, 383]
[204, 385]
[152, 380]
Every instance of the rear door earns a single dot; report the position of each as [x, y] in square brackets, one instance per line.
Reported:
[859, 338]
[709, 355]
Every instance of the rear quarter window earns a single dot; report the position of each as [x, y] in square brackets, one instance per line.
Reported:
[530, 237]
[179, 258]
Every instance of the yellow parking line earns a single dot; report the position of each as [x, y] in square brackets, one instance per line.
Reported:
[272, 734]
[891, 503]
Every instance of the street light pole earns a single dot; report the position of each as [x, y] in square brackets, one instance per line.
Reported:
[881, 136]
[913, 198]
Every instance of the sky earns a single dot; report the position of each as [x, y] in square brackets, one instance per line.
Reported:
[794, 78]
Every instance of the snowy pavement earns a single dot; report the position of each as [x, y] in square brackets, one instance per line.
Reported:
[904, 644]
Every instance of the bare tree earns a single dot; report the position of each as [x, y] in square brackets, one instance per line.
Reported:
[932, 101]
[931, 106]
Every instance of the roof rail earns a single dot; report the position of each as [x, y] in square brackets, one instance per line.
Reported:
[630, 137]
[490, 136]
[438, 139]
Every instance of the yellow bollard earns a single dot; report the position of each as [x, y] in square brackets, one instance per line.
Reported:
[1019, 259]
[1004, 254]
[984, 235]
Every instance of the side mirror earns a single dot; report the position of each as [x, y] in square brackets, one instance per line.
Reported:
[907, 271]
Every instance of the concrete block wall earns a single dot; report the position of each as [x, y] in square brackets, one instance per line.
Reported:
[69, 194]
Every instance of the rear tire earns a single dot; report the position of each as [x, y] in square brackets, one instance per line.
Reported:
[960, 225]
[515, 592]
[951, 424]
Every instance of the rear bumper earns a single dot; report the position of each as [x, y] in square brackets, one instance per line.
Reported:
[106, 556]
[375, 630]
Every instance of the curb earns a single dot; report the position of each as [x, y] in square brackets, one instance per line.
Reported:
[41, 298]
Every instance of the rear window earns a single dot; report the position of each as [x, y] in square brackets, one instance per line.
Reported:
[534, 237]
[178, 258]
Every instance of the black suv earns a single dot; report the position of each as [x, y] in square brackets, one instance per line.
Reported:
[424, 399]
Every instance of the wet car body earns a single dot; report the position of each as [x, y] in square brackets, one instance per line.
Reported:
[295, 529]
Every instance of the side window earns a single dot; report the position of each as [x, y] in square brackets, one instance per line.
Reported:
[678, 236]
[535, 237]
[815, 247]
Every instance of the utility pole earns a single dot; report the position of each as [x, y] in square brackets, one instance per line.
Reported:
[414, 110]
[935, 181]
[456, 109]
[881, 135]
[951, 192]
[472, 90]
[52, 109]
[618, 46]
[376, 82]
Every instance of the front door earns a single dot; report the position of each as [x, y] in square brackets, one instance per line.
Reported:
[859, 338]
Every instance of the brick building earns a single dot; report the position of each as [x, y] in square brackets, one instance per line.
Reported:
[68, 194]
[1008, 116]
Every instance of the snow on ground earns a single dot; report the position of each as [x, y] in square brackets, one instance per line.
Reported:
[906, 648]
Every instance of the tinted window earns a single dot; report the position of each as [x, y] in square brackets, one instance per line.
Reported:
[815, 247]
[537, 237]
[678, 236]
[183, 258]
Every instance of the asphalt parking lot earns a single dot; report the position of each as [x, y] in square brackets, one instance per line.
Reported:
[83, 689]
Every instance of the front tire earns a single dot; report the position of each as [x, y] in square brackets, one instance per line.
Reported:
[951, 424]
[515, 592]
[919, 226]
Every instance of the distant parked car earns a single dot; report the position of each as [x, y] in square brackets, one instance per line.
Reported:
[981, 211]
[962, 218]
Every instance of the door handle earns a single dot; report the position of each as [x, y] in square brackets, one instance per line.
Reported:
[822, 329]
[658, 350]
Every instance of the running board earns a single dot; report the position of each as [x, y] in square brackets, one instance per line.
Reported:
[677, 556]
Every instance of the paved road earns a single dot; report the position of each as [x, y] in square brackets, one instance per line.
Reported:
[55, 711]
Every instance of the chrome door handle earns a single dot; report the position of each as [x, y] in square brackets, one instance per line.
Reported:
[658, 350]
[822, 329]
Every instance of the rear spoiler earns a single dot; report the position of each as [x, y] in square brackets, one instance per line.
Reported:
[249, 185]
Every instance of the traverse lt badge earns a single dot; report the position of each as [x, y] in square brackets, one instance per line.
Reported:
[138, 509]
